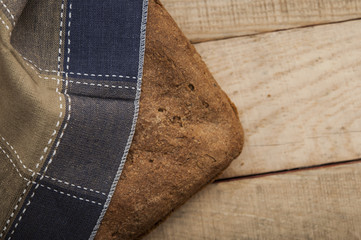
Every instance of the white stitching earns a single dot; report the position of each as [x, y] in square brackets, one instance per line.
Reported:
[84, 83]
[79, 74]
[46, 176]
[32, 195]
[3, 22]
[40, 159]
[73, 185]
[70, 195]
[12, 162]
[57, 124]
[42, 185]
[16, 207]
[54, 132]
[69, 24]
[7, 9]
[29, 181]
[60, 37]
[59, 140]
[91, 84]
[135, 116]
[33, 66]
[65, 94]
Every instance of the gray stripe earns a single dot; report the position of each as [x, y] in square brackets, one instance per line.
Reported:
[135, 117]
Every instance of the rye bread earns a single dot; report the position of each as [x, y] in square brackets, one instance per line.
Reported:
[187, 133]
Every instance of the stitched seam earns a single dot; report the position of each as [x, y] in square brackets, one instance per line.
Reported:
[12, 162]
[135, 116]
[57, 125]
[91, 84]
[84, 83]
[70, 195]
[37, 165]
[65, 93]
[80, 74]
[71, 73]
[73, 185]
[50, 140]
[42, 185]
[3, 22]
[51, 189]
[59, 140]
[46, 176]
[15, 208]
[69, 41]
[8, 10]
[32, 195]
[29, 181]
[35, 67]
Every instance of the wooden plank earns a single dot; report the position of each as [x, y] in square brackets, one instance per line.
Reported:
[213, 19]
[298, 93]
[313, 204]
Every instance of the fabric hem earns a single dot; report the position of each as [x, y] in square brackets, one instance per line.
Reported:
[135, 118]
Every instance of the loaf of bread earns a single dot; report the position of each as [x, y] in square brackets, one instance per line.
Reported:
[187, 133]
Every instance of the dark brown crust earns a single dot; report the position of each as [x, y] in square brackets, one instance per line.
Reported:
[187, 133]
[180, 204]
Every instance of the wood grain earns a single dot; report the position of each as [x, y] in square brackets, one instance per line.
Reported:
[314, 204]
[298, 93]
[213, 19]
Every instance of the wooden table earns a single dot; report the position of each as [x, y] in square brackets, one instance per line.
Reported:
[293, 69]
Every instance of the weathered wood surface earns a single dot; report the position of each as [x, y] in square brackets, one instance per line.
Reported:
[299, 98]
[298, 93]
[214, 19]
[313, 204]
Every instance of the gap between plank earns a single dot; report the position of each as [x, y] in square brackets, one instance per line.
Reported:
[291, 170]
[276, 30]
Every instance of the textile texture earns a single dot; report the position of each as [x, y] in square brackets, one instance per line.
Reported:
[70, 74]
[76, 161]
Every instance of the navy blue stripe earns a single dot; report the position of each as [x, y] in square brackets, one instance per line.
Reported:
[105, 39]
[55, 216]
[92, 147]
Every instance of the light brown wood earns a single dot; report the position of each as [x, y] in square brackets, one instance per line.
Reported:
[298, 93]
[214, 19]
[313, 204]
